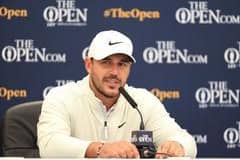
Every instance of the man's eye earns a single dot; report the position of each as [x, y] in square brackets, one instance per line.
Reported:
[123, 64]
[106, 62]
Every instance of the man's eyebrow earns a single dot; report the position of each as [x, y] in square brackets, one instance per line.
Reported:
[106, 58]
[121, 60]
[126, 60]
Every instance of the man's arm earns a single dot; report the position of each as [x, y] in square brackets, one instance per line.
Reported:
[54, 132]
[172, 139]
[170, 149]
[119, 149]
[166, 130]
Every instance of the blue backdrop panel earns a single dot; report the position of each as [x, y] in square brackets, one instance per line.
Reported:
[187, 52]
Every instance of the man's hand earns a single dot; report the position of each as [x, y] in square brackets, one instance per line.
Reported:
[170, 149]
[120, 149]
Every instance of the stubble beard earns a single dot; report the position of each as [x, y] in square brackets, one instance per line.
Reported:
[101, 91]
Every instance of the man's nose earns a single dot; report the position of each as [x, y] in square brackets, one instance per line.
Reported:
[115, 69]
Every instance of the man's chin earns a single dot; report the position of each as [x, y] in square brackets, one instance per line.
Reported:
[112, 92]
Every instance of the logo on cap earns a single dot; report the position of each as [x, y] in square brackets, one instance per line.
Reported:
[113, 43]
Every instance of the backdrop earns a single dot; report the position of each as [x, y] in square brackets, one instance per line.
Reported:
[187, 52]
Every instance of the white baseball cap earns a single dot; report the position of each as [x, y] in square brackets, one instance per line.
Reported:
[110, 42]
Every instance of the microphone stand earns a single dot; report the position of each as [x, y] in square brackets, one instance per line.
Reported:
[146, 149]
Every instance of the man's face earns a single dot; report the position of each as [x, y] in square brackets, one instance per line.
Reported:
[107, 75]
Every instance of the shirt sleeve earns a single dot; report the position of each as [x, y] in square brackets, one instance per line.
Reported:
[54, 132]
[164, 127]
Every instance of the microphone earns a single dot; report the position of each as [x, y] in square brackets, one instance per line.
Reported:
[142, 139]
[133, 104]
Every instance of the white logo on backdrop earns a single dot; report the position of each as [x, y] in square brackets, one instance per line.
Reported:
[65, 14]
[58, 83]
[232, 57]
[217, 95]
[85, 53]
[25, 51]
[232, 136]
[198, 13]
[166, 52]
[200, 138]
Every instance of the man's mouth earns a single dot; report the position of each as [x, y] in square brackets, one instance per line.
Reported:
[112, 81]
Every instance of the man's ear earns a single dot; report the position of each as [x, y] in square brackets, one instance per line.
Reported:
[88, 64]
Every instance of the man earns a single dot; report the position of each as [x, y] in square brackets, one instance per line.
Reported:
[91, 119]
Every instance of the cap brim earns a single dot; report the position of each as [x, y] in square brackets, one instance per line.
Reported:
[105, 56]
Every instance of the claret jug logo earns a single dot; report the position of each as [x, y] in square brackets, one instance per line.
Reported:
[25, 51]
[232, 57]
[65, 14]
[217, 95]
[198, 13]
[232, 136]
[10, 13]
[166, 52]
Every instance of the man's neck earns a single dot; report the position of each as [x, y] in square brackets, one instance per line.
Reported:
[108, 102]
